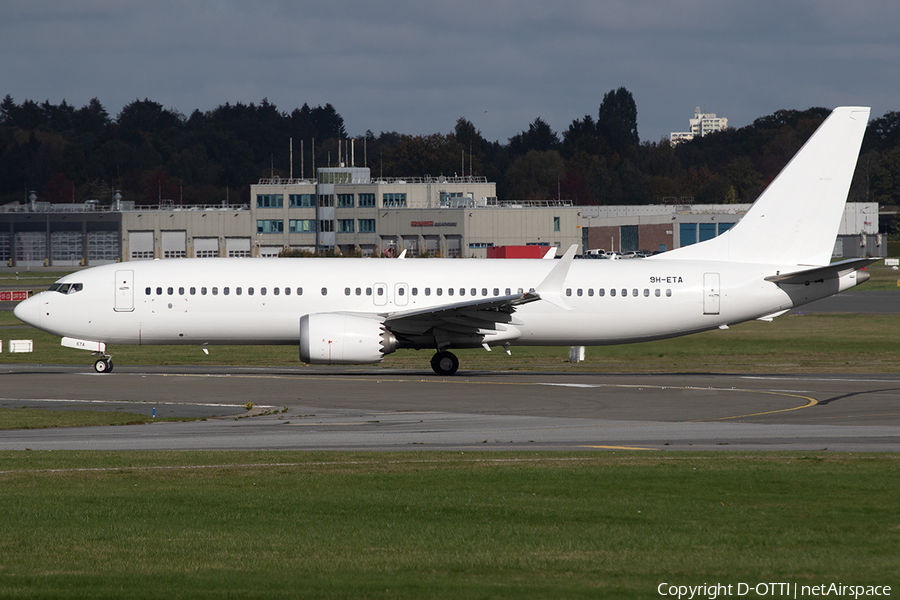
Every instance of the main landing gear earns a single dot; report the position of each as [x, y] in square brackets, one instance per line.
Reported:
[444, 363]
[104, 364]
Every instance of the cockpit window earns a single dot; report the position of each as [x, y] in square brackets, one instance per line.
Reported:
[67, 288]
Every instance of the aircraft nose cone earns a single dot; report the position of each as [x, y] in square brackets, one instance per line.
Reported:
[29, 311]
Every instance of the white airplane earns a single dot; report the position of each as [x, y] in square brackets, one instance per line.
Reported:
[351, 311]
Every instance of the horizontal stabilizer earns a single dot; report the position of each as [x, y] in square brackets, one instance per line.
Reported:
[819, 274]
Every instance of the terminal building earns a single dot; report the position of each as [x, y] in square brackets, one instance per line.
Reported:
[346, 212]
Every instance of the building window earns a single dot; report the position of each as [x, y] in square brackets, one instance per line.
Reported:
[345, 226]
[555, 223]
[394, 201]
[333, 177]
[326, 200]
[301, 200]
[269, 200]
[302, 226]
[366, 200]
[326, 226]
[367, 225]
[269, 226]
[345, 200]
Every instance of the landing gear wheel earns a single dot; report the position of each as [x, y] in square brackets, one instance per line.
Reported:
[103, 365]
[444, 363]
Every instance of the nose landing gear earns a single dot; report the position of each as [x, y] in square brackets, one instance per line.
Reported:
[104, 364]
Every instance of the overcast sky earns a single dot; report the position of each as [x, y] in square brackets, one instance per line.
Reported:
[415, 67]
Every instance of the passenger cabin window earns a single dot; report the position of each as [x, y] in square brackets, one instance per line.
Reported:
[203, 291]
[193, 291]
[346, 291]
[262, 291]
[215, 291]
[299, 291]
[276, 291]
[250, 291]
[325, 291]
[146, 290]
[427, 291]
[226, 291]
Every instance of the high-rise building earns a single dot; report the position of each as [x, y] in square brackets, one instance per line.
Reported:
[702, 124]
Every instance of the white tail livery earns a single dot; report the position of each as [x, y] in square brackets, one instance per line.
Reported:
[344, 311]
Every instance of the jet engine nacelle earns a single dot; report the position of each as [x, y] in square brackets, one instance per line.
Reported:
[336, 338]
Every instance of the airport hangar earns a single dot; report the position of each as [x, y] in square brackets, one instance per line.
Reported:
[345, 211]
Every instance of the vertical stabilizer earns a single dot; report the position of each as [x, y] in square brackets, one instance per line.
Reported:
[796, 219]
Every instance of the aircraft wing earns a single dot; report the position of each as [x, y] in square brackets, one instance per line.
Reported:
[476, 321]
[820, 274]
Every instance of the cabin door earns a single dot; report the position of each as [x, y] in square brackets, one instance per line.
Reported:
[124, 291]
[711, 293]
[401, 291]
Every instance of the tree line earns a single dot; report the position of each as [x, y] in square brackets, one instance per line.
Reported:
[69, 154]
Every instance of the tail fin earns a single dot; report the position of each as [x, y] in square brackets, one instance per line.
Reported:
[796, 219]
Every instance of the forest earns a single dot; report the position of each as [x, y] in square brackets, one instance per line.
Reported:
[70, 155]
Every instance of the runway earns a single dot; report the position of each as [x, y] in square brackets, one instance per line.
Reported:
[370, 408]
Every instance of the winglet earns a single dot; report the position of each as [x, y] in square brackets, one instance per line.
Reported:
[551, 288]
[551, 253]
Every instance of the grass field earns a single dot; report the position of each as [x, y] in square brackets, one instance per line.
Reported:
[439, 525]
[460, 525]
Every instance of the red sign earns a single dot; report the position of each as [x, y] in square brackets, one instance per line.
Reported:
[14, 296]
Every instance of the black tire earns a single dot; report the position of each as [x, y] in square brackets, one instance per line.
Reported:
[103, 365]
[444, 363]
